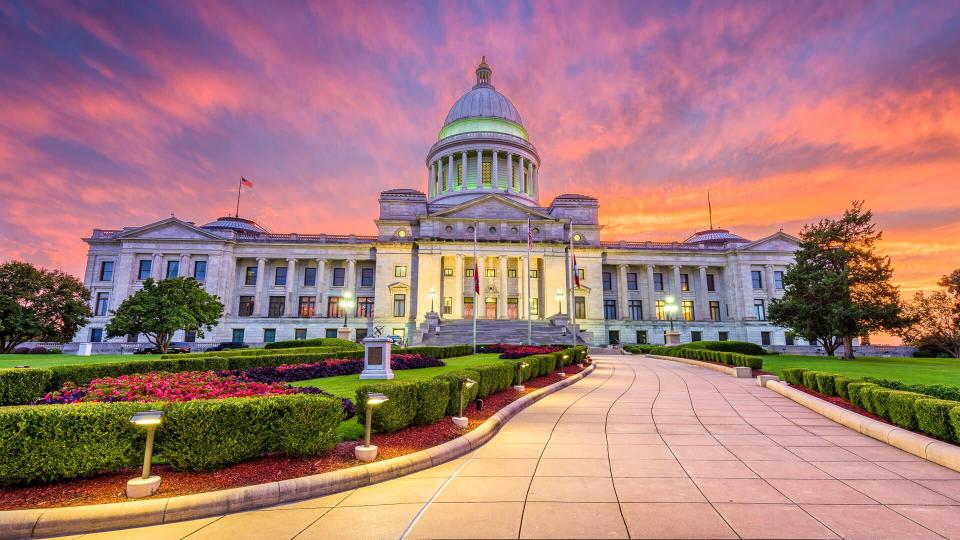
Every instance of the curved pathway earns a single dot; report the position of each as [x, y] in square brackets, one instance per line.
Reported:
[642, 448]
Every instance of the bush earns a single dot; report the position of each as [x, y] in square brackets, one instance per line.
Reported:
[954, 424]
[433, 395]
[793, 376]
[933, 417]
[742, 347]
[40, 349]
[315, 342]
[936, 390]
[899, 407]
[53, 351]
[877, 400]
[856, 390]
[21, 350]
[397, 412]
[438, 352]
[826, 384]
[22, 385]
[469, 394]
[495, 378]
[638, 349]
[304, 425]
[810, 379]
[840, 383]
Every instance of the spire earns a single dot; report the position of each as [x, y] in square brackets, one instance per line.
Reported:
[710, 209]
[483, 72]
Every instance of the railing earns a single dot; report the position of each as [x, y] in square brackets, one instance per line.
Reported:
[661, 245]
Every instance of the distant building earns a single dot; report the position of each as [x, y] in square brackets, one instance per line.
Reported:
[482, 180]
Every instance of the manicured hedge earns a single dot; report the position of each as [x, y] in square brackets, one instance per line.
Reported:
[933, 417]
[826, 384]
[742, 347]
[434, 396]
[494, 378]
[315, 342]
[793, 375]
[469, 394]
[397, 412]
[706, 355]
[22, 385]
[438, 352]
[638, 349]
[856, 391]
[951, 393]
[259, 352]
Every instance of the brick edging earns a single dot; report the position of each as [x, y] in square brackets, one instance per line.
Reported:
[938, 452]
[41, 522]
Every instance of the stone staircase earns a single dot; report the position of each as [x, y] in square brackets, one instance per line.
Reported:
[457, 332]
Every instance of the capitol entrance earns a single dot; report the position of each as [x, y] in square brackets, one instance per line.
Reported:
[491, 308]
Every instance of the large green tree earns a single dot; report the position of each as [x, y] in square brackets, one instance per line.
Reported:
[39, 305]
[934, 318]
[839, 287]
[163, 307]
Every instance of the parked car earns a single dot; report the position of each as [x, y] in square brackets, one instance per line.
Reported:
[397, 340]
[171, 349]
[228, 345]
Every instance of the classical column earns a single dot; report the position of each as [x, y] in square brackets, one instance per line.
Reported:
[651, 303]
[458, 288]
[496, 177]
[523, 299]
[480, 168]
[321, 286]
[157, 267]
[521, 185]
[703, 308]
[502, 302]
[463, 169]
[288, 308]
[185, 265]
[432, 183]
[536, 181]
[771, 288]
[622, 290]
[530, 177]
[450, 180]
[350, 281]
[259, 306]
[482, 295]
[678, 291]
[510, 171]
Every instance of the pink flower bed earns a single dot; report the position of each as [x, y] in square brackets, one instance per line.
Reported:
[520, 351]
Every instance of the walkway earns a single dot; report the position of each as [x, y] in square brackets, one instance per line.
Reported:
[643, 448]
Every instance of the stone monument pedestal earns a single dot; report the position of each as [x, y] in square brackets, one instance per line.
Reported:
[673, 338]
[344, 333]
[376, 358]
[84, 349]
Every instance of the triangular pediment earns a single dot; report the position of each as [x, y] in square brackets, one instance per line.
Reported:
[491, 207]
[779, 241]
[170, 228]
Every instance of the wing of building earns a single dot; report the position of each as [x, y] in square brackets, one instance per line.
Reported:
[415, 278]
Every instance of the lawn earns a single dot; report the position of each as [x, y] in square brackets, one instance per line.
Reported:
[346, 385]
[909, 370]
[47, 360]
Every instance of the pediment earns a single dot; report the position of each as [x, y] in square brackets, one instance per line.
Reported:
[169, 229]
[491, 208]
[779, 241]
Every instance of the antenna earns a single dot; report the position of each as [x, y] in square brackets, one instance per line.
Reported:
[710, 209]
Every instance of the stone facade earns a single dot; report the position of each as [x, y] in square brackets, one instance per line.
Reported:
[483, 183]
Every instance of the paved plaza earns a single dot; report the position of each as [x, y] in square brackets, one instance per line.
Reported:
[642, 448]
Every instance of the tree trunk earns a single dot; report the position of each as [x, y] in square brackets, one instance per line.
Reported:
[848, 347]
[829, 345]
[163, 341]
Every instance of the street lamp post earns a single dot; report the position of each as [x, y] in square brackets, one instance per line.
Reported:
[559, 297]
[672, 337]
[433, 295]
[346, 304]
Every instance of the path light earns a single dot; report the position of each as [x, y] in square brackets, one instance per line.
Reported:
[519, 386]
[368, 452]
[462, 384]
[563, 362]
[146, 485]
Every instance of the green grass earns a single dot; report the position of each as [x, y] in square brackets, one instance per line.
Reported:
[346, 385]
[909, 370]
[47, 360]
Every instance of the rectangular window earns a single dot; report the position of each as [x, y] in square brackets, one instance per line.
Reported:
[276, 306]
[711, 283]
[641, 337]
[447, 305]
[308, 306]
[330, 332]
[661, 310]
[133, 338]
[765, 338]
[632, 281]
[250, 276]
[486, 173]
[778, 279]
[280, 276]
[607, 281]
[103, 300]
[723, 336]
[237, 336]
[300, 333]
[788, 338]
[534, 307]
[400, 333]
[400, 271]
[366, 277]
[714, 310]
[190, 336]
[636, 310]
[468, 272]
[144, 270]
[106, 271]
[581, 274]
[609, 309]
[399, 305]
[173, 269]
[696, 335]
[448, 272]
[365, 306]
[309, 277]
[491, 272]
[96, 335]
[685, 282]
[657, 281]
[688, 312]
[246, 306]
[269, 335]
[339, 276]
[333, 307]
[757, 277]
[580, 307]
[200, 270]
[511, 272]
[760, 309]
[534, 274]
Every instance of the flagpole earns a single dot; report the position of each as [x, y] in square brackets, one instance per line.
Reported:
[239, 187]
[529, 296]
[476, 280]
[573, 289]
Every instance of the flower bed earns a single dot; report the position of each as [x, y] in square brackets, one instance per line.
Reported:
[327, 368]
[512, 352]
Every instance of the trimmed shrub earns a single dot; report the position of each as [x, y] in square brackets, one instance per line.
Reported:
[742, 347]
[39, 349]
[304, 425]
[933, 417]
[397, 412]
[856, 390]
[469, 394]
[899, 407]
[876, 400]
[936, 390]
[315, 342]
[810, 379]
[433, 395]
[954, 424]
[793, 376]
[495, 377]
[438, 352]
[19, 386]
[840, 384]
[207, 434]
[826, 384]
[638, 349]
[21, 350]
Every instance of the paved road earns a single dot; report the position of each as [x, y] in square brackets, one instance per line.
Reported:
[642, 448]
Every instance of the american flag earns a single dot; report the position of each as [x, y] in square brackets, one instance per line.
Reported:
[476, 277]
[576, 272]
[529, 236]
[245, 183]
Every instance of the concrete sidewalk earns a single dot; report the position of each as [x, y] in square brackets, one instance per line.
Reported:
[643, 448]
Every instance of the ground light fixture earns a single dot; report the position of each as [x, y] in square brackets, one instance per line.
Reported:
[146, 485]
[519, 386]
[460, 420]
[563, 362]
[368, 452]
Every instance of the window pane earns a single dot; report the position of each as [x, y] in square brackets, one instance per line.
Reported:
[580, 307]
[688, 312]
[144, 270]
[714, 311]
[280, 277]
[685, 282]
[173, 269]
[711, 283]
[309, 277]
[399, 305]
[238, 335]
[300, 333]
[333, 307]
[661, 311]
[246, 306]
[250, 277]
[757, 278]
[269, 335]
[200, 270]
[276, 306]
[366, 277]
[400, 271]
[102, 304]
[308, 306]
[339, 276]
[106, 271]
[636, 310]
[365, 306]
[657, 281]
[607, 281]
[609, 309]
[778, 279]
[631, 281]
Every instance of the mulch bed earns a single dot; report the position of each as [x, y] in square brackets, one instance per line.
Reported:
[840, 402]
[110, 488]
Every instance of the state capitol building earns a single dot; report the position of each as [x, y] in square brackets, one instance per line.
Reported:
[415, 278]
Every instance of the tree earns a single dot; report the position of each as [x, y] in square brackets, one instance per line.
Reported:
[163, 307]
[934, 318]
[39, 304]
[839, 287]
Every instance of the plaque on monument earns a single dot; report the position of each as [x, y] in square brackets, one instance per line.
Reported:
[376, 358]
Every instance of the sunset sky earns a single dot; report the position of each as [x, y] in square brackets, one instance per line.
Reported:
[120, 114]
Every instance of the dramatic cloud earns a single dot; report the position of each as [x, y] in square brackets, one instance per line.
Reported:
[118, 115]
